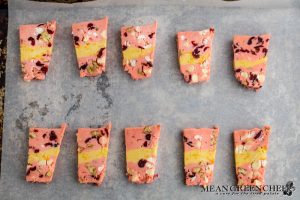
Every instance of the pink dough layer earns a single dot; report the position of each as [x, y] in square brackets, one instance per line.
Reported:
[37, 36]
[88, 32]
[90, 140]
[203, 139]
[41, 140]
[143, 38]
[251, 48]
[198, 43]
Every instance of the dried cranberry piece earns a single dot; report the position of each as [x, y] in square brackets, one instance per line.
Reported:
[48, 144]
[260, 40]
[191, 175]
[90, 26]
[84, 66]
[38, 36]
[145, 144]
[238, 70]
[265, 51]
[125, 34]
[49, 44]
[53, 136]
[106, 131]
[40, 25]
[212, 30]
[124, 47]
[148, 136]
[100, 53]
[258, 135]
[76, 40]
[31, 169]
[36, 150]
[194, 43]
[185, 139]
[44, 135]
[250, 40]
[205, 48]
[151, 35]
[50, 31]
[32, 40]
[196, 52]
[141, 47]
[35, 130]
[39, 64]
[44, 70]
[41, 175]
[142, 163]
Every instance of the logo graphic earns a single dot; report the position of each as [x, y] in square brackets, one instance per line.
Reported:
[289, 188]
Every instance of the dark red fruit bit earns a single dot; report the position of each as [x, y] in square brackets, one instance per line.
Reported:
[106, 131]
[243, 143]
[212, 30]
[260, 40]
[53, 136]
[141, 47]
[48, 144]
[148, 136]
[142, 163]
[125, 34]
[267, 40]
[145, 144]
[149, 64]
[234, 46]
[41, 175]
[90, 26]
[87, 140]
[44, 70]
[100, 53]
[84, 66]
[44, 135]
[56, 144]
[250, 40]
[190, 143]
[76, 39]
[185, 139]
[38, 36]
[205, 48]
[265, 51]
[258, 135]
[252, 76]
[40, 25]
[36, 150]
[151, 35]
[124, 47]
[49, 44]
[236, 51]
[32, 40]
[50, 31]
[191, 175]
[253, 52]
[194, 43]
[39, 64]
[35, 130]
[96, 177]
[30, 169]
[196, 52]
[238, 70]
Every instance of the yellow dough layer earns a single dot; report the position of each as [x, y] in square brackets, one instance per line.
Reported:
[89, 49]
[28, 52]
[195, 156]
[43, 155]
[89, 156]
[135, 155]
[250, 156]
[248, 63]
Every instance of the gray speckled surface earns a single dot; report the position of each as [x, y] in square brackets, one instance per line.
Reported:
[164, 98]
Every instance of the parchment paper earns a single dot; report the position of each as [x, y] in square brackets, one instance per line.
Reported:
[164, 99]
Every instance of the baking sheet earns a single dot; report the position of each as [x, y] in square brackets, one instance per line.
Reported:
[164, 99]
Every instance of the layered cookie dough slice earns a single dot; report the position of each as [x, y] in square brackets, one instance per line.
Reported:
[251, 148]
[36, 43]
[250, 59]
[92, 153]
[194, 53]
[90, 40]
[138, 46]
[44, 147]
[141, 153]
[199, 155]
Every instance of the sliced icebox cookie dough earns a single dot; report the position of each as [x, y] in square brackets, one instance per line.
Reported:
[92, 153]
[250, 147]
[36, 44]
[250, 59]
[44, 147]
[200, 147]
[138, 49]
[141, 153]
[90, 41]
[194, 54]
